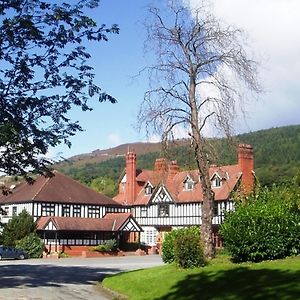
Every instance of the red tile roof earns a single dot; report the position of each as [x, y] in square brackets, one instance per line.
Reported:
[110, 222]
[118, 219]
[56, 189]
[230, 176]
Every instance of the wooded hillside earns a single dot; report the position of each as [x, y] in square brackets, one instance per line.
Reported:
[276, 150]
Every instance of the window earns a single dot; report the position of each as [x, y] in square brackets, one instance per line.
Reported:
[77, 211]
[148, 189]
[66, 210]
[93, 211]
[163, 210]
[188, 184]
[143, 211]
[48, 209]
[14, 210]
[148, 236]
[6, 210]
[216, 181]
[223, 208]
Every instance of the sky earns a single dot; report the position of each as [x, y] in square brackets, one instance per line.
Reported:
[273, 31]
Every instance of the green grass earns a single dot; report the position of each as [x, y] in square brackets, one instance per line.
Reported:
[221, 279]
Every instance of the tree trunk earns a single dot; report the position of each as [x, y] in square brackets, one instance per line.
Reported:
[203, 167]
[208, 201]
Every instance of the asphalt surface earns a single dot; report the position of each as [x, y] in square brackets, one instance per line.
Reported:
[64, 279]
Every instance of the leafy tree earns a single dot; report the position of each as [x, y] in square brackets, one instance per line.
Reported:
[17, 228]
[32, 245]
[44, 73]
[196, 53]
[104, 185]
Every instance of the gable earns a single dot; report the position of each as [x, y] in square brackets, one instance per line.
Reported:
[130, 225]
[50, 226]
[162, 196]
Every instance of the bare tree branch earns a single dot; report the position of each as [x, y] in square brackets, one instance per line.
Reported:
[198, 81]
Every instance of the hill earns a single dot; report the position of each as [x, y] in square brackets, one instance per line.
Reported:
[276, 150]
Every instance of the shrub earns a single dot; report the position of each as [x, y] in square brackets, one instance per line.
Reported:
[63, 254]
[266, 228]
[32, 245]
[168, 243]
[99, 248]
[188, 250]
[109, 245]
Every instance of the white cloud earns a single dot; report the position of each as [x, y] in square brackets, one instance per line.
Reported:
[178, 132]
[154, 138]
[272, 27]
[114, 139]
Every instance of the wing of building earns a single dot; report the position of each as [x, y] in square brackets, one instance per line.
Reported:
[165, 197]
[68, 213]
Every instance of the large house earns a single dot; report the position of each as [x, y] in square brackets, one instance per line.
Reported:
[166, 198]
[68, 214]
[149, 203]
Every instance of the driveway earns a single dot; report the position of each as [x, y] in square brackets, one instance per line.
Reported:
[65, 279]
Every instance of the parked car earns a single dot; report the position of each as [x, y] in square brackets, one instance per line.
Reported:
[12, 253]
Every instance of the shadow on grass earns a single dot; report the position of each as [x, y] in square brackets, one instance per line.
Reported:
[239, 283]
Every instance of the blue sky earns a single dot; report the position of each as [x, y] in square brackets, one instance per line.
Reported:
[274, 36]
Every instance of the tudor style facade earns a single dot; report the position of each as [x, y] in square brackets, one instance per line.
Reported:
[166, 198]
[68, 213]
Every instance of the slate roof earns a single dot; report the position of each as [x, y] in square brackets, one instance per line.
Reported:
[56, 189]
[111, 222]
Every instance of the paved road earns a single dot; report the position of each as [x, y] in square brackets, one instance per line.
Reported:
[64, 279]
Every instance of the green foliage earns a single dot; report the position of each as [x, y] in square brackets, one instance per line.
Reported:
[17, 228]
[265, 228]
[45, 72]
[168, 255]
[109, 245]
[188, 250]
[63, 255]
[32, 245]
[104, 185]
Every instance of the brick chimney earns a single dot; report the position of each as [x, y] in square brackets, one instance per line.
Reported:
[161, 165]
[173, 169]
[130, 177]
[246, 163]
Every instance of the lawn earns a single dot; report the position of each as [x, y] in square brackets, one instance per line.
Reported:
[221, 279]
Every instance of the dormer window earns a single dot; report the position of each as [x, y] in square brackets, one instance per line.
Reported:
[148, 189]
[216, 181]
[188, 184]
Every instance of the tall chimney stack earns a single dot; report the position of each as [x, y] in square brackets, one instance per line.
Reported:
[130, 177]
[246, 163]
[173, 169]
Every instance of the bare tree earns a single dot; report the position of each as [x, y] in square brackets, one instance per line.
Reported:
[198, 82]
